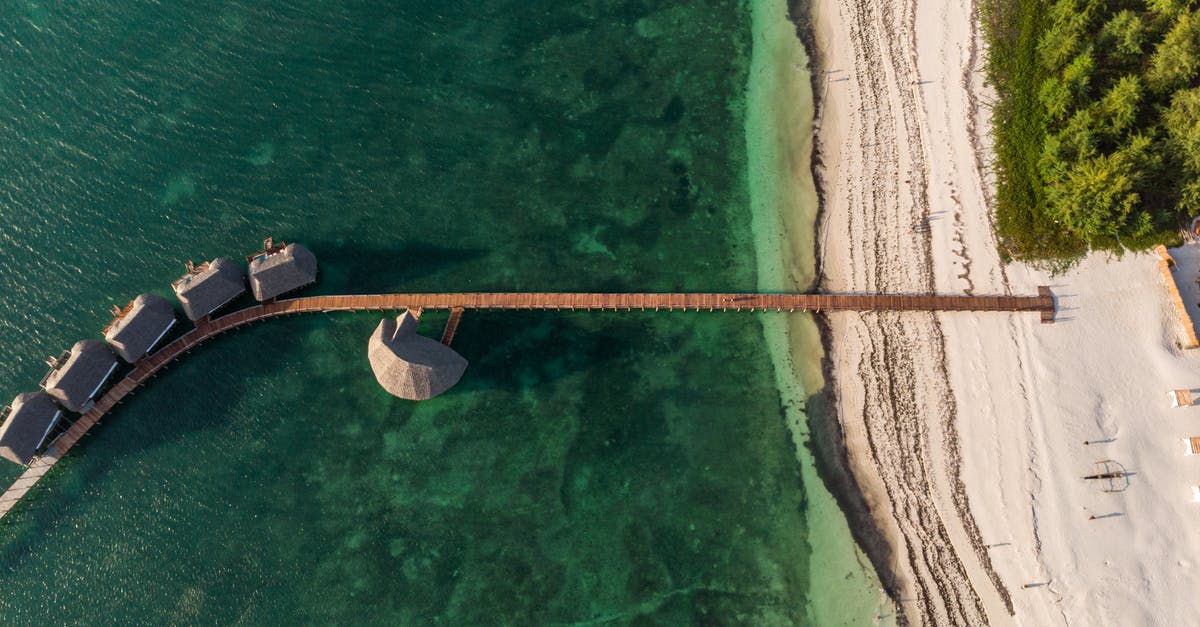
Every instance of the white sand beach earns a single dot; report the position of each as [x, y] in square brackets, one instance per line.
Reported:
[966, 431]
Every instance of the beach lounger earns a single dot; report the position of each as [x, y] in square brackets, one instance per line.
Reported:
[1196, 494]
[1180, 398]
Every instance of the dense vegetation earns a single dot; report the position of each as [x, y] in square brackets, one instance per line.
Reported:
[1097, 125]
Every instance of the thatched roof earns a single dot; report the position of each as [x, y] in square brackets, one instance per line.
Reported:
[27, 425]
[138, 329]
[412, 366]
[213, 286]
[75, 382]
[275, 273]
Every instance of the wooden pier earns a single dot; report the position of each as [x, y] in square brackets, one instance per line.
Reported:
[205, 329]
[452, 325]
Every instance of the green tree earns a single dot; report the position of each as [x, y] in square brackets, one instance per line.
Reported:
[1060, 42]
[1119, 107]
[1127, 33]
[1078, 74]
[1097, 198]
[1079, 139]
[1177, 58]
[1189, 198]
[1053, 163]
[1168, 7]
[1181, 121]
[1069, 23]
[1056, 98]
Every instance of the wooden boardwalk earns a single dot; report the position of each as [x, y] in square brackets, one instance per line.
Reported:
[1043, 303]
[452, 325]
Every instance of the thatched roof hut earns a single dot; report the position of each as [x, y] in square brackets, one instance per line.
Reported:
[209, 287]
[281, 269]
[26, 426]
[140, 326]
[75, 381]
[412, 366]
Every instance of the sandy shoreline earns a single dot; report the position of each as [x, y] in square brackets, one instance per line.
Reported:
[843, 588]
[898, 421]
[964, 431]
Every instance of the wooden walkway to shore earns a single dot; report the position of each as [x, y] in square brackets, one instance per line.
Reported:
[1043, 303]
[452, 325]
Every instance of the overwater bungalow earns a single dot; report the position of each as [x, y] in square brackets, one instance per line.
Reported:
[140, 326]
[26, 427]
[209, 286]
[412, 366]
[281, 268]
[77, 376]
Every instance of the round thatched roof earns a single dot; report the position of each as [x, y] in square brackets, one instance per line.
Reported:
[412, 366]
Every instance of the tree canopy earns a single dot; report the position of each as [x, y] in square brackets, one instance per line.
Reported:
[1098, 123]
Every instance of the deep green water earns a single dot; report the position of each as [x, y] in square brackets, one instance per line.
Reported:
[592, 467]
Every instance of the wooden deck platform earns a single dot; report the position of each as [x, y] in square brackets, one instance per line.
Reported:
[1043, 303]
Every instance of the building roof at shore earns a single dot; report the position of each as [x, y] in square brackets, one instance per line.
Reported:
[215, 285]
[27, 425]
[74, 383]
[140, 326]
[290, 268]
[412, 366]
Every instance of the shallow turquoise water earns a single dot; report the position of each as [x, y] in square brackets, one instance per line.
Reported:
[601, 467]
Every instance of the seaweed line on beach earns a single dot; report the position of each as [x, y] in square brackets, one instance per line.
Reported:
[904, 412]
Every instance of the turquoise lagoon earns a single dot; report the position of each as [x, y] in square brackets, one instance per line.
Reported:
[592, 468]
